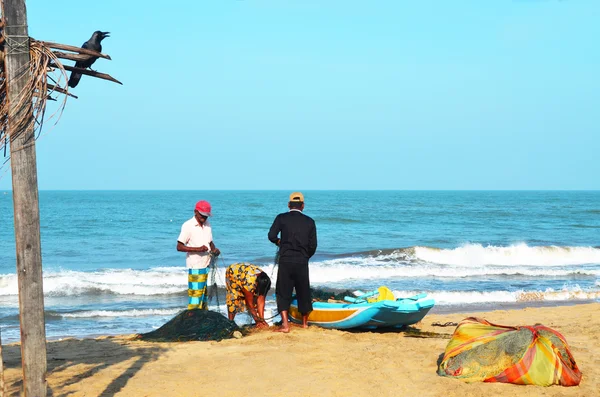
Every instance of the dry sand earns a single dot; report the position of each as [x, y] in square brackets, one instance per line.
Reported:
[312, 362]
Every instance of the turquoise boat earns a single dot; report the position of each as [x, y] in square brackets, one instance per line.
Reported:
[363, 312]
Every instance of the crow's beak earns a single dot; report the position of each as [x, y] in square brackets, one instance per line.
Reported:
[106, 34]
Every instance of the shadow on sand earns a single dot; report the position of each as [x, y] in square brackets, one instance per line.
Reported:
[94, 355]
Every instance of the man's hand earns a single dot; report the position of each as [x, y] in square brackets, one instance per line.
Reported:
[262, 324]
[216, 252]
[204, 248]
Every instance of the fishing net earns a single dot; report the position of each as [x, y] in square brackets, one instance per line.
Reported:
[323, 295]
[526, 355]
[196, 324]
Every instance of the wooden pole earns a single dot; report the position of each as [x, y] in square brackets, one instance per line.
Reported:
[2, 388]
[25, 201]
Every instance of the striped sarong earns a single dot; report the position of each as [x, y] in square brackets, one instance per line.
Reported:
[197, 289]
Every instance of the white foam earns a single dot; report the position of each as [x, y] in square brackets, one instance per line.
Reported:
[122, 313]
[155, 281]
[472, 260]
[159, 281]
[337, 271]
[514, 255]
[118, 281]
[574, 293]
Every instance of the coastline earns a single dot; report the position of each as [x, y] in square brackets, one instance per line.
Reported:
[473, 309]
[305, 362]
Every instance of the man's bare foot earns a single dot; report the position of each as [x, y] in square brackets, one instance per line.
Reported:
[281, 329]
[304, 326]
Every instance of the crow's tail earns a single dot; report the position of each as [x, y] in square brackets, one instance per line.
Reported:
[74, 79]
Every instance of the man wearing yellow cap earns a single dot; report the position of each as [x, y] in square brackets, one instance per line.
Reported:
[296, 236]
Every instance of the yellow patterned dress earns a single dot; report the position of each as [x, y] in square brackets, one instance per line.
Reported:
[240, 276]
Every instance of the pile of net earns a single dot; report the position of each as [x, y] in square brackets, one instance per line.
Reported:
[323, 295]
[192, 325]
[524, 355]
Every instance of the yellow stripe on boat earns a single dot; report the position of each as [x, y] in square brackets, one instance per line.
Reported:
[324, 316]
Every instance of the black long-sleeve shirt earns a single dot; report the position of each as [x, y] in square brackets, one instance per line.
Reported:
[298, 240]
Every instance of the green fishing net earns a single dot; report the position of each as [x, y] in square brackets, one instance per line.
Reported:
[196, 324]
[524, 355]
[493, 357]
[323, 295]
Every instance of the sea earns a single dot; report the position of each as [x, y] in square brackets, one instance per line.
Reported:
[111, 266]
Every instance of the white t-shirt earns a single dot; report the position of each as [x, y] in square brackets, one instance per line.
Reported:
[194, 235]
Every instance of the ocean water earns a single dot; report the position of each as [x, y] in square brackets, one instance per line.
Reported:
[111, 265]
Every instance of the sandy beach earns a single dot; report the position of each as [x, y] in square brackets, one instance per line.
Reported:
[312, 362]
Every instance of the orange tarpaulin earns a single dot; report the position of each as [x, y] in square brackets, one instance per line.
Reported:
[525, 355]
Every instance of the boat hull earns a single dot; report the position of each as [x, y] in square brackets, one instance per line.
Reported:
[382, 314]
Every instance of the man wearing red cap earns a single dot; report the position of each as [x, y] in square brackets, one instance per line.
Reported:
[196, 239]
[297, 244]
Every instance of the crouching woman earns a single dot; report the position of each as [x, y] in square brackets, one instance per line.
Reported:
[247, 286]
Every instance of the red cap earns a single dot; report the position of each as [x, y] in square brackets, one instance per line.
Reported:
[203, 207]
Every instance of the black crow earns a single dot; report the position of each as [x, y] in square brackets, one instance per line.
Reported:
[92, 44]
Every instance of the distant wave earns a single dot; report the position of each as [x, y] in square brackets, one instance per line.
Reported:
[473, 255]
[582, 226]
[472, 260]
[156, 281]
[340, 270]
[169, 281]
[467, 297]
[53, 315]
[514, 255]
[121, 313]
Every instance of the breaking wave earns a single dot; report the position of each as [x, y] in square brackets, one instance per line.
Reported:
[467, 261]
[514, 255]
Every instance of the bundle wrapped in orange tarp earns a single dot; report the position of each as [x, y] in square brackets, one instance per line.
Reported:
[525, 355]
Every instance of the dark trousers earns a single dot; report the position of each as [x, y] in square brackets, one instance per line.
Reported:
[290, 276]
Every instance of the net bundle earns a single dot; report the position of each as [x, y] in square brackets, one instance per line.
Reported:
[482, 351]
[323, 295]
[193, 325]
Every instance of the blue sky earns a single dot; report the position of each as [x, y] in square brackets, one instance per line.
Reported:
[257, 94]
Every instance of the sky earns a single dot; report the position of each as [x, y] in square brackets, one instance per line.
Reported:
[313, 94]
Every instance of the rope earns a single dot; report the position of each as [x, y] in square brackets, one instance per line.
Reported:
[213, 284]
[448, 324]
[25, 146]
[17, 44]
[275, 262]
[272, 317]
[5, 140]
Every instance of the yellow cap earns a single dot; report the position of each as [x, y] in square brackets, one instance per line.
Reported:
[297, 197]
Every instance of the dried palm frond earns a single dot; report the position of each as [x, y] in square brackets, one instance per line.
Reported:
[30, 110]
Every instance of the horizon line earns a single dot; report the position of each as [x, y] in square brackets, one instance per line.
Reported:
[313, 190]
